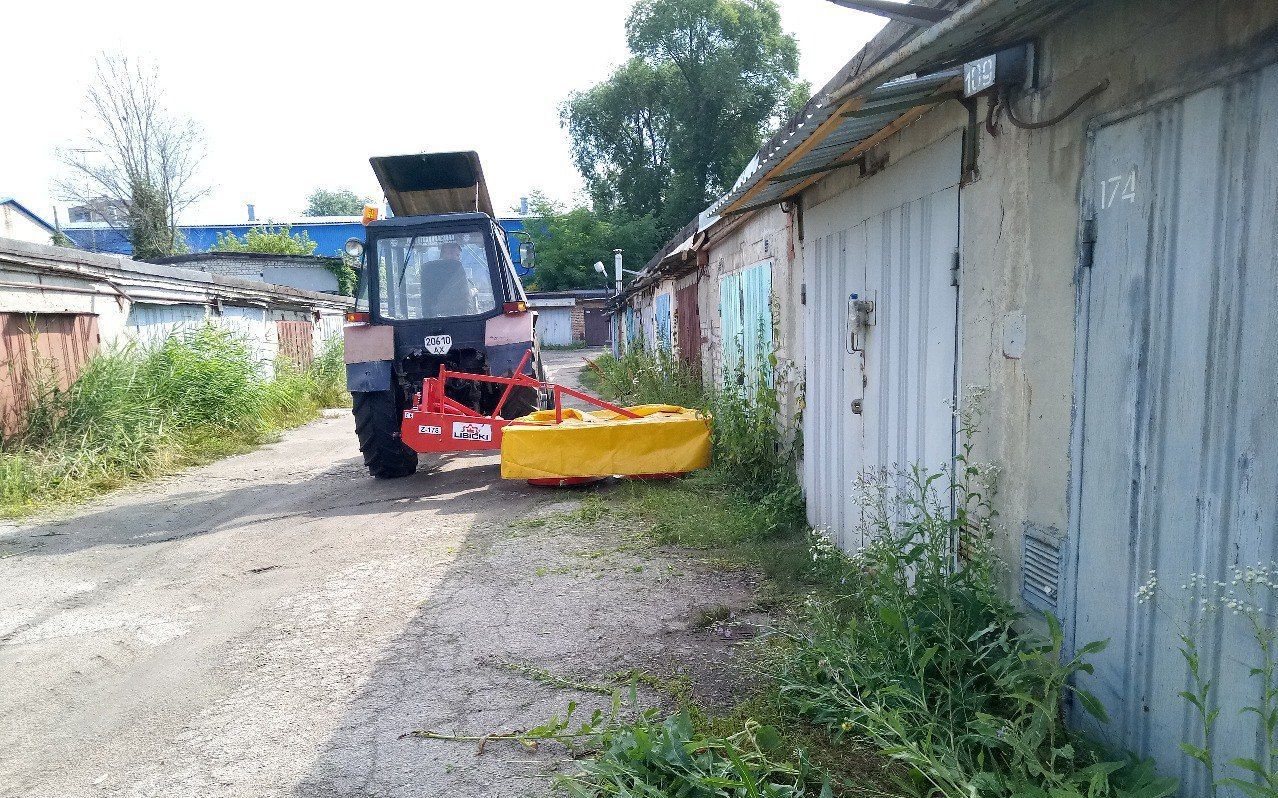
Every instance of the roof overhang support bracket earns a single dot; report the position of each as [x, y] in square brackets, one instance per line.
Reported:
[789, 177]
[900, 105]
[766, 203]
[919, 16]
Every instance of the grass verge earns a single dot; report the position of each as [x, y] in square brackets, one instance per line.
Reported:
[139, 412]
[902, 670]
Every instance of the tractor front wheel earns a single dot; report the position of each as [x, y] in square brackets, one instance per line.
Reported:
[377, 422]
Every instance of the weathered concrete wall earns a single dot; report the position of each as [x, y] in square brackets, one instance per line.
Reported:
[144, 303]
[1019, 225]
[767, 234]
[1020, 228]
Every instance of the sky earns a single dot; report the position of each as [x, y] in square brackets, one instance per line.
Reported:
[293, 95]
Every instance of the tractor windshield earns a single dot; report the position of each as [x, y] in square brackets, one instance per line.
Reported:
[434, 276]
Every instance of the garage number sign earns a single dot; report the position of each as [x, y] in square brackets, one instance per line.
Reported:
[978, 75]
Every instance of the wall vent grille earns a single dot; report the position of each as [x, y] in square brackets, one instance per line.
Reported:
[1041, 571]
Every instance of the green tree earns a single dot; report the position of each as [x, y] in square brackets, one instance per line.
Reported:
[672, 128]
[336, 202]
[569, 241]
[271, 240]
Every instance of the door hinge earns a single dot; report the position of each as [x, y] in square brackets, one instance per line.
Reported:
[803, 294]
[1089, 242]
[954, 269]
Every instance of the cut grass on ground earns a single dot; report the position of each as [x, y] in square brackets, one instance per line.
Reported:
[702, 513]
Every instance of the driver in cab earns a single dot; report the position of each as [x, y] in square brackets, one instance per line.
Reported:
[446, 289]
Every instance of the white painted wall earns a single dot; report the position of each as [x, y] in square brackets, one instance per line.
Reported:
[17, 225]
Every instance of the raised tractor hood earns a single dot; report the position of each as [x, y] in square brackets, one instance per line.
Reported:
[433, 182]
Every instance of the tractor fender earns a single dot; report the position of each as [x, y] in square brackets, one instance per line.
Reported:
[504, 359]
[368, 377]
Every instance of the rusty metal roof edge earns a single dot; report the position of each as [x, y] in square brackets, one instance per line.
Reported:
[112, 269]
[880, 72]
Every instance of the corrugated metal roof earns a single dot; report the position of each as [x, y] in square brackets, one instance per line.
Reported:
[826, 137]
[151, 282]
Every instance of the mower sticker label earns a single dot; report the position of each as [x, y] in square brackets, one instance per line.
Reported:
[439, 344]
[428, 429]
[469, 431]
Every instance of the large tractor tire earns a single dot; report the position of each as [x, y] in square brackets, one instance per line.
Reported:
[377, 420]
[522, 401]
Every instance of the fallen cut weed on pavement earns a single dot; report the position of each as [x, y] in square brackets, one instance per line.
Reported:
[903, 671]
[138, 412]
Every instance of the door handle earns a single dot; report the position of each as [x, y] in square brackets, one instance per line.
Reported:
[856, 406]
[860, 314]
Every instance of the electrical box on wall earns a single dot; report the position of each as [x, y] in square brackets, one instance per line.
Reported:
[1013, 66]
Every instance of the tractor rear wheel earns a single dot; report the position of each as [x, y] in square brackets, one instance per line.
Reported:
[377, 421]
[523, 400]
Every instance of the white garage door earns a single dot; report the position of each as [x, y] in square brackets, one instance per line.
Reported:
[554, 325]
[880, 395]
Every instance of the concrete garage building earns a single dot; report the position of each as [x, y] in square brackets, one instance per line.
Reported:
[59, 306]
[565, 318]
[306, 272]
[1076, 238]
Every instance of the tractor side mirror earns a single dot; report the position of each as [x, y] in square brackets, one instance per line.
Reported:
[527, 255]
[355, 249]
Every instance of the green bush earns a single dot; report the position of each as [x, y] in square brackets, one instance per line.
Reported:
[136, 412]
[641, 377]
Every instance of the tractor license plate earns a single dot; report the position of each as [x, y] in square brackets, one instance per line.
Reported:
[439, 344]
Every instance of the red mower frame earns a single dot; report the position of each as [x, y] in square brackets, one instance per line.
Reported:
[438, 424]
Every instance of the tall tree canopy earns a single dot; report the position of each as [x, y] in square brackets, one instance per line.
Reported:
[672, 128]
[568, 242]
[334, 202]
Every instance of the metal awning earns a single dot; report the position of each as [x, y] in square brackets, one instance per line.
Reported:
[895, 91]
[433, 182]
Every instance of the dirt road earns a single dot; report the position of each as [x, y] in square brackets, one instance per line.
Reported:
[271, 624]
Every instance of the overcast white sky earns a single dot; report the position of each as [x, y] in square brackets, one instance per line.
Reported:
[296, 95]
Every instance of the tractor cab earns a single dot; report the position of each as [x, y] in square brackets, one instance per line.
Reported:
[437, 289]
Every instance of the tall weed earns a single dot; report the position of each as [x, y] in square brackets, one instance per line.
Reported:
[918, 653]
[753, 451]
[136, 412]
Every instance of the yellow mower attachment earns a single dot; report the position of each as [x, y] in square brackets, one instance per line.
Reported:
[663, 440]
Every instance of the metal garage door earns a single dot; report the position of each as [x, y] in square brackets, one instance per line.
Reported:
[745, 316]
[886, 398]
[596, 319]
[1176, 465]
[662, 319]
[688, 325]
[40, 352]
[554, 325]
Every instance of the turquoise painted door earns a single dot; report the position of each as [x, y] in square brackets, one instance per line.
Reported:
[745, 308]
[662, 322]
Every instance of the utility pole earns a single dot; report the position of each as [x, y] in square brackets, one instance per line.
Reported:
[616, 262]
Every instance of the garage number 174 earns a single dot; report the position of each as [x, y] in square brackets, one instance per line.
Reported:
[1119, 188]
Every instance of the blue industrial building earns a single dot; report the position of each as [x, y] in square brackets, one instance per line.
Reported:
[330, 233]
